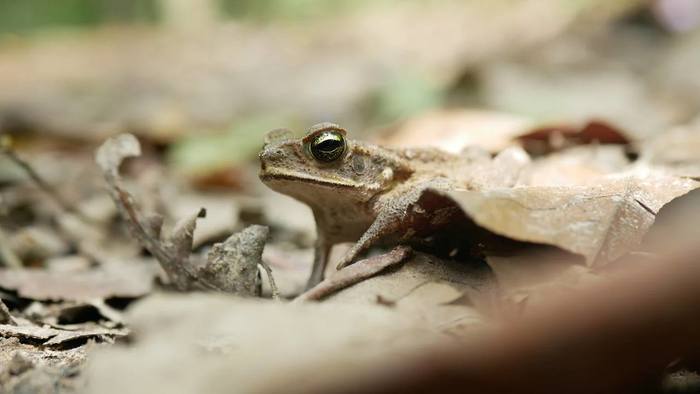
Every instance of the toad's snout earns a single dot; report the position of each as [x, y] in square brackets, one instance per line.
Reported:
[271, 156]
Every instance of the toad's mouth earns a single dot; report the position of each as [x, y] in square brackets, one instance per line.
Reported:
[269, 175]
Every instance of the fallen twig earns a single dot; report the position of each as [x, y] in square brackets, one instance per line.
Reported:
[51, 192]
[355, 273]
[271, 279]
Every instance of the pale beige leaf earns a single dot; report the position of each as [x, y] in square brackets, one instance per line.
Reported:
[601, 222]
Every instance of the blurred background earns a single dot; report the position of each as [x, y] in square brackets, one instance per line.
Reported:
[206, 79]
[200, 82]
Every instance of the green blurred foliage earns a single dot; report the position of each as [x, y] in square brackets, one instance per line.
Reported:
[257, 9]
[202, 152]
[28, 16]
[25, 16]
[403, 95]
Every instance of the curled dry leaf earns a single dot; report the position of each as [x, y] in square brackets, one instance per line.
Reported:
[169, 254]
[211, 228]
[231, 267]
[146, 229]
[601, 222]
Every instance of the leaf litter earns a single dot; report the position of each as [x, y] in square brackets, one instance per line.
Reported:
[187, 299]
[600, 215]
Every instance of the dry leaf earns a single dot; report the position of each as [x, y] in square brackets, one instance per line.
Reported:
[545, 140]
[232, 266]
[117, 280]
[601, 222]
[581, 165]
[425, 287]
[55, 337]
[27, 332]
[73, 313]
[399, 284]
[101, 334]
[210, 228]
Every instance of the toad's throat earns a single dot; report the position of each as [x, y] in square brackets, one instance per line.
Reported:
[301, 177]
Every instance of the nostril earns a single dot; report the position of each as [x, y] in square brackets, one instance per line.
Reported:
[271, 154]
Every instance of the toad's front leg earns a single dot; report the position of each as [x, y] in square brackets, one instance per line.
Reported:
[388, 222]
[322, 250]
[397, 216]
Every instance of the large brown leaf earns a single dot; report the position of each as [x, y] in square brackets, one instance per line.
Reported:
[601, 222]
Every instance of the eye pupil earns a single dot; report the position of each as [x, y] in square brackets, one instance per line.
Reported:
[328, 146]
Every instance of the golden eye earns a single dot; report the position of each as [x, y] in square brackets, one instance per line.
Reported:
[328, 146]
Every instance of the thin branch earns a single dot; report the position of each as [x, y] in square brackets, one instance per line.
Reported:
[271, 279]
[109, 157]
[47, 188]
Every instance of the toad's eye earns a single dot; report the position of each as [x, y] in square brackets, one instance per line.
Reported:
[328, 146]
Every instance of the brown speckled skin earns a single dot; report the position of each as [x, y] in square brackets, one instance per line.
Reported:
[366, 193]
